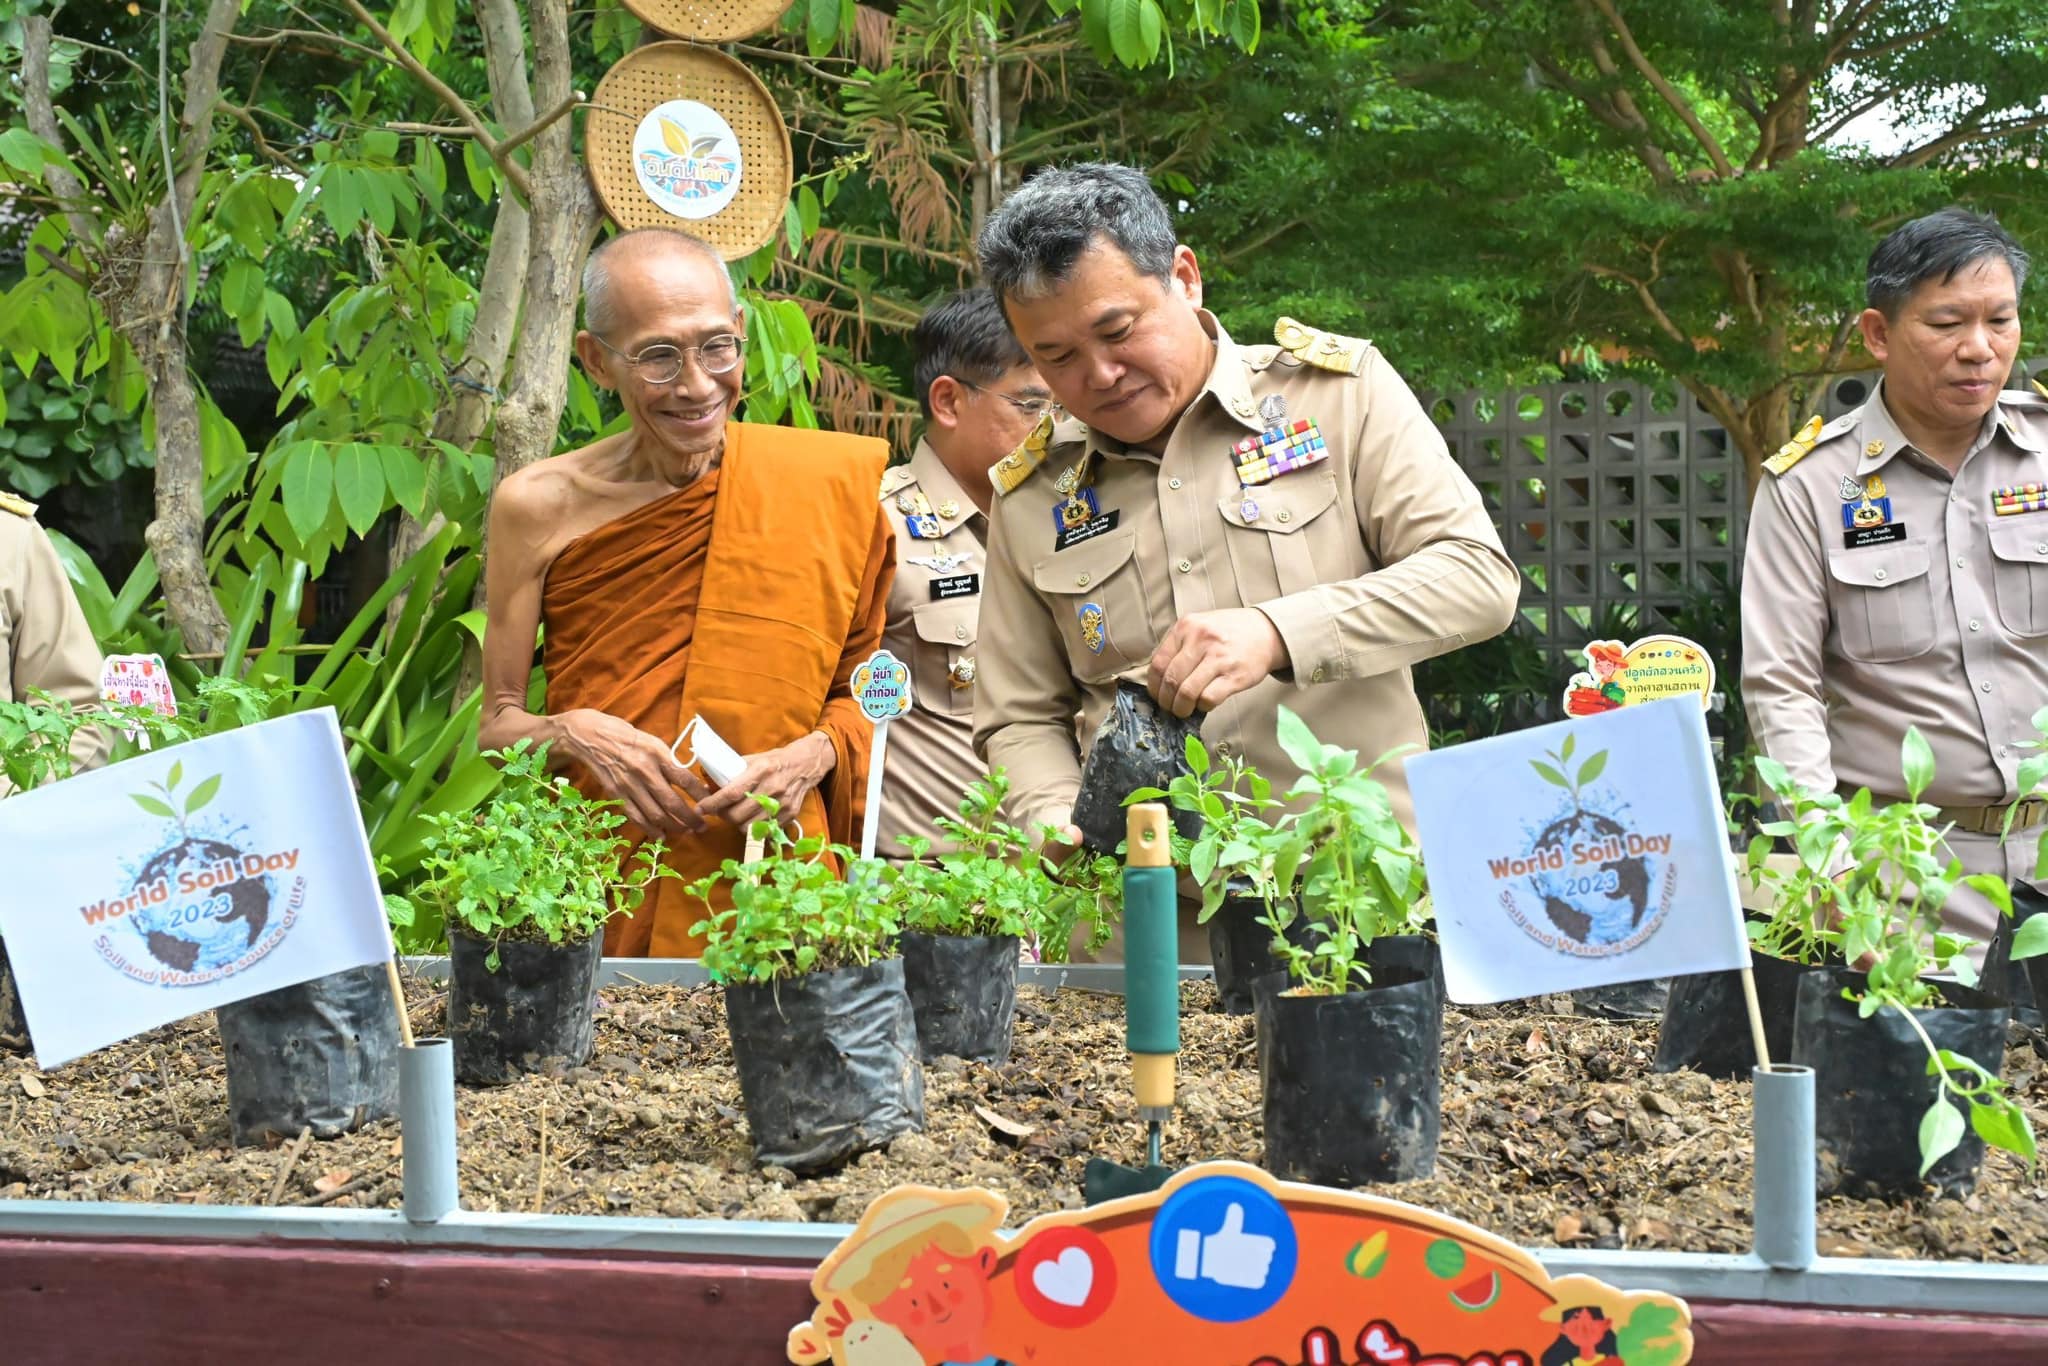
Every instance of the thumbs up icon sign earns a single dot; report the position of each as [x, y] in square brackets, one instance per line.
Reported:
[1229, 1256]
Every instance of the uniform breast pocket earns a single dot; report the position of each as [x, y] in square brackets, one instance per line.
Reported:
[2019, 564]
[942, 670]
[1292, 528]
[1882, 601]
[1097, 595]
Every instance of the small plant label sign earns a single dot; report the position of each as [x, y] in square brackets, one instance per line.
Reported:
[1579, 854]
[1650, 670]
[1224, 1264]
[138, 681]
[881, 685]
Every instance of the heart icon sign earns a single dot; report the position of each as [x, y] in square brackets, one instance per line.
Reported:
[1065, 1279]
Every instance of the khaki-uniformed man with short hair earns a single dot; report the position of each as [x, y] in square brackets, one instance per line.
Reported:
[44, 641]
[980, 398]
[1240, 526]
[1896, 572]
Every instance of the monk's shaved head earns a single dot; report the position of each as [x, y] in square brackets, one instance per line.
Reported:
[600, 313]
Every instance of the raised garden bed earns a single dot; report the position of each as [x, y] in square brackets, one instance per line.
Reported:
[1555, 1132]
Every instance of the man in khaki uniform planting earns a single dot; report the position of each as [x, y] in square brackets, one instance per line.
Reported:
[44, 642]
[1237, 526]
[1896, 573]
[980, 398]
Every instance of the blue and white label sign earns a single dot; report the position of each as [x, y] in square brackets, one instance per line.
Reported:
[1223, 1249]
[882, 686]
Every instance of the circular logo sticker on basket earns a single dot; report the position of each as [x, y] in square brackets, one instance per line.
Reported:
[687, 158]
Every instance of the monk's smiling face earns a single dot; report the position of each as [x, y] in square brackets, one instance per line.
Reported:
[658, 293]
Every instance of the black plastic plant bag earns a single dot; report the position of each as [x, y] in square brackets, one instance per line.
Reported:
[322, 1055]
[827, 1064]
[1140, 744]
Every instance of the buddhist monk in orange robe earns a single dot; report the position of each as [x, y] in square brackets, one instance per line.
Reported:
[691, 566]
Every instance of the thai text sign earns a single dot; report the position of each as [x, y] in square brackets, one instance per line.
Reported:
[186, 879]
[1579, 854]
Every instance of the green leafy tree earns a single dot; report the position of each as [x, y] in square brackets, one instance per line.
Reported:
[1686, 187]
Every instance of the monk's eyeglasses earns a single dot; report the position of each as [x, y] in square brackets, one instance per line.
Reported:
[1033, 408]
[661, 364]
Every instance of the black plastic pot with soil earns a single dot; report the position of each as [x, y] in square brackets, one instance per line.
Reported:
[963, 992]
[1871, 1086]
[1706, 1020]
[1241, 950]
[13, 1023]
[322, 1055]
[535, 1013]
[1353, 1082]
[827, 1064]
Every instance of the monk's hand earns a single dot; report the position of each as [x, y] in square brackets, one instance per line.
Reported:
[1208, 657]
[638, 769]
[787, 774]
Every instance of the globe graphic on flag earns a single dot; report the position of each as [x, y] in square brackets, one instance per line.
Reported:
[1594, 903]
[207, 928]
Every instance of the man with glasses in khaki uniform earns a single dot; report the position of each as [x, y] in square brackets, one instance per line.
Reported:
[1240, 527]
[1896, 572]
[980, 398]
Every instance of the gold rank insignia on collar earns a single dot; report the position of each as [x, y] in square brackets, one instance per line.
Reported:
[1324, 350]
[1796, 450]
[1013, 469]
[19, 506]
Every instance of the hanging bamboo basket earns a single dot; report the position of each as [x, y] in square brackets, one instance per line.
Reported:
[683, 136]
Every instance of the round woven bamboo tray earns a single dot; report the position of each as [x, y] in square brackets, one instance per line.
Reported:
[727, 105]
[709, 21]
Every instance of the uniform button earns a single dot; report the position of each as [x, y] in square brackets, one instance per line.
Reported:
[1983, 687]
[2041, 549]
[1173, 483]
[1959, 562]
[1880, 574]
[2004, 751]
[1184, 566]
[1286, 516]
[1317, 676]
[1081, 580]
[1223, 749]
[959, 633]
[1976, 625]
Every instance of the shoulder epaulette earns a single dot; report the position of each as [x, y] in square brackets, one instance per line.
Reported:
[1324, 350]
[20, 507]
[1013, 469]
[2040, 391]
[1797, 449]
[895, 477]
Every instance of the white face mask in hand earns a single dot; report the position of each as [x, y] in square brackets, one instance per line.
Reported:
[720, 761]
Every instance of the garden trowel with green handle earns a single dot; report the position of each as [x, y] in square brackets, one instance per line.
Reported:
[1151, 999]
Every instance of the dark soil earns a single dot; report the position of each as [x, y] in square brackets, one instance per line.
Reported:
[1555, 1131]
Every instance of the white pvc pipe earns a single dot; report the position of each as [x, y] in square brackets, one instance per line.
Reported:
[426, 1117]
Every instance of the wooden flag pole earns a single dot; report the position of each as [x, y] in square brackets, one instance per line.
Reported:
[1756, 1017]
[398, 999]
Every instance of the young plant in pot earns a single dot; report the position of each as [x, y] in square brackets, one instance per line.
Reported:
[823, 1036]
[524, 884]
[964, 915]
[1350, 1038]
[1230, 861]
[1705, 1025]
[1906, 1084]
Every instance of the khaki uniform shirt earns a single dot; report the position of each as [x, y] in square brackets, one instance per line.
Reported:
[1374, 557]
[1880, 592]
[44, 641]
[933, 609]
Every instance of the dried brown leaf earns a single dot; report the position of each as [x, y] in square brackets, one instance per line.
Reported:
[1535, 1046]
[333, 1180]
[1016, 1130]
[32, 1086]
[1568, 1228]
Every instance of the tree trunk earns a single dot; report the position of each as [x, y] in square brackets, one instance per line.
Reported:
[144, 295]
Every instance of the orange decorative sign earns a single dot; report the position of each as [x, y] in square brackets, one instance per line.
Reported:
[1654, 668]
[1223, 1265]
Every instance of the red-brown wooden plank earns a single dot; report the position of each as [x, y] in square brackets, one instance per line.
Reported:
[145, 1302]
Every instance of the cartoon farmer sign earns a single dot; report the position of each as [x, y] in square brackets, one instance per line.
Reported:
[1652, 668]
[1223, 1264]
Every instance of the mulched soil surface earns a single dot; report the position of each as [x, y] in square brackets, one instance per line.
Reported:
[1555, 1131]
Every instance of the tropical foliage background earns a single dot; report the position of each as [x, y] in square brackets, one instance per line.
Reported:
[289, 286]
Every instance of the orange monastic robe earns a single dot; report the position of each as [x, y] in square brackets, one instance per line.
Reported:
[747, 598]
